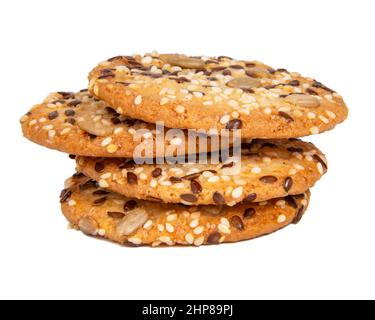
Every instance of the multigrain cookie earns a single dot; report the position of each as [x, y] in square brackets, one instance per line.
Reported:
[268, 169]
[80, 124]
[219, 93]
[98, 212]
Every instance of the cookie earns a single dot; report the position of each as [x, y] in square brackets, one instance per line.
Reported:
[79, 124]
[268, 169]
[98, 212]
[217, 93]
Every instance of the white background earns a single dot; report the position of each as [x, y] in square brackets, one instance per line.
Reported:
[51, 45]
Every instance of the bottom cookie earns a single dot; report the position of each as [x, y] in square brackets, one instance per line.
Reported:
[98, 212]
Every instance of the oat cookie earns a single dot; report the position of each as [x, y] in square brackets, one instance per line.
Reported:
[98, 212]
[268, 169]
[80, 124]
[205, 93]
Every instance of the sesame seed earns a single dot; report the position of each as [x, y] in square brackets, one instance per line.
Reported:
[237, 192]
[207, 174]
[224, 229]
[165, 183]
[164, 101]
[103, 183]
[179, 109]
[233, 103]
[256, 170]
[65, 131]
[156, 244]
[199, 241]
[235, 114]
[106, 141]
[208, 103]
[324, 119]
[153, 183]
[41, 120]
[329, 97]
[213, 179]
[194, 223]
[266, 160]
[225, 119]
[160, 227]
[225, 222]
[72, 203]
[143, 176]
[267, 110]
[138, 100]
[298, 167]
[172, 217]
[146, 60]
[331, 114]
[169, 227]
[24, 118]
[198, 230]
[138, 170]
[118, 130]
[101, 232]
[281, 203]
[148, 225]
[314, 130]
[281, 218]
[228, 91]
[135, 240]
[240, 182]
[189, 238]
[320, 168]
[292, 172]
[32, 122]
[112, 148]
[311, 115]
[51, 133]
[106, 175]
[48, 127]
[165, 239]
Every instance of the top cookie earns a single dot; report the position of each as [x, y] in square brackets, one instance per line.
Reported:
[217, 93]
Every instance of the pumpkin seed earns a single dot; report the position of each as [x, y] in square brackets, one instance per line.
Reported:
[133, 220]
[303, 100]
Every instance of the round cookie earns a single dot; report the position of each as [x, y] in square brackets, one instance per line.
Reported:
[220, 93]
[79, 124]
[109, 215]
[268, 169]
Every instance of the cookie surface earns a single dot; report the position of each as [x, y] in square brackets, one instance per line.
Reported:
[268, 169]
[79, 124]
[206, 93]
[98, 212]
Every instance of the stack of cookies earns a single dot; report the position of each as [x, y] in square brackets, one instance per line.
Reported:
[140, 182]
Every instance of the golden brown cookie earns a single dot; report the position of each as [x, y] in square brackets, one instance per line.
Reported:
[80, 124]
[109, 215]
[268, 169]
[206, 93]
